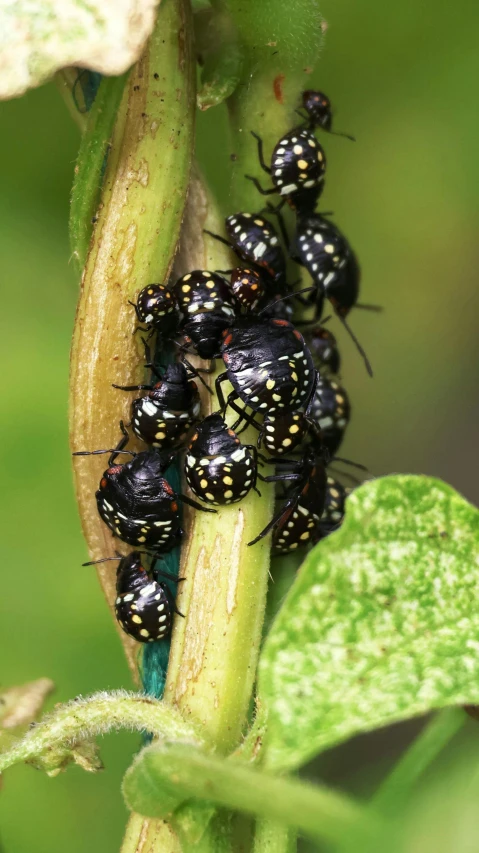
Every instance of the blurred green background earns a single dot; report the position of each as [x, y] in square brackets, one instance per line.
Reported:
[404, 81]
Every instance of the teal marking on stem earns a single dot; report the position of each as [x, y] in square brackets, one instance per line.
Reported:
[85, 89]
[155, 655]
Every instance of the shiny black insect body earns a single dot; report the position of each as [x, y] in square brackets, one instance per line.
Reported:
[208, 306]
[324, 349]
[283, 433]
[165, 415]
[319, 112]
[295, 522]
[248, 289]
[298, 166]
[334, 509]
[144, 606]
[158, 309]
[319, 246]
[219, 469]
[136, 501]
[323, 250]
[330, 410]
[255, 241]
[269, 366]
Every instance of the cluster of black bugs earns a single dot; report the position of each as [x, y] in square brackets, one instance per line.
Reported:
[281, 383]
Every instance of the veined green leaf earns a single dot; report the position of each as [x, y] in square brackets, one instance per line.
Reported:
[381, 624]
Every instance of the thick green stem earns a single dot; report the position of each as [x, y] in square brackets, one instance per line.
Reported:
[133, 243]
[166, 771]
[215, 647]
[397, 787]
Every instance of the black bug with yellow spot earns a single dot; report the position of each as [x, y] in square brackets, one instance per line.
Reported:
[158, 309]
[283, 433]
[219, 469]
[208, 306]
[297, 170]
[248, 288]
[144, 606]
[296, 521]
[331, 411]
[164, 416]
[269, 366]
[136, 501]
[334, 509]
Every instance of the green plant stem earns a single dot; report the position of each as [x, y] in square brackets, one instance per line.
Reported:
[271, 837]
[133, 243]
[397, 787]
[91, 163]
[83, 719]
[171, 770]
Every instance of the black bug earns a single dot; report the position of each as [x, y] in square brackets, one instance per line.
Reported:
[144, 606]
[334, 509]
[283, 433]
[269, 366]
[255, 241]
[158, 309]
[219, 469]
[330, 410]
[324, 349]
[208, 306]
[248, 288]
[319, 113]
[299, 515]
[297, 170]
[164, 416]
[322, 249]
[136, 501]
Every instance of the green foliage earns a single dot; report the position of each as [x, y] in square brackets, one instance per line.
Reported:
[381, 624]
[161, 774]
[91, 164]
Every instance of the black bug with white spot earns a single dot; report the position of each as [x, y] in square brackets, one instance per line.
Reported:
[296, 521]
[136, 501]
[256, 242]
[158, 309]
[297, 170]
[330, 410]
[143, 606]
[334, 509]
[219, 469]
[328, 257]
[208, 306]
[319, 246]
[164, 416]
[324, 349]
[269, 366]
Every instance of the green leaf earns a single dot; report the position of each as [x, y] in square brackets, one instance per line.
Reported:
[36, 39]
[220, 57]
[381, 624]
[165, 773]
